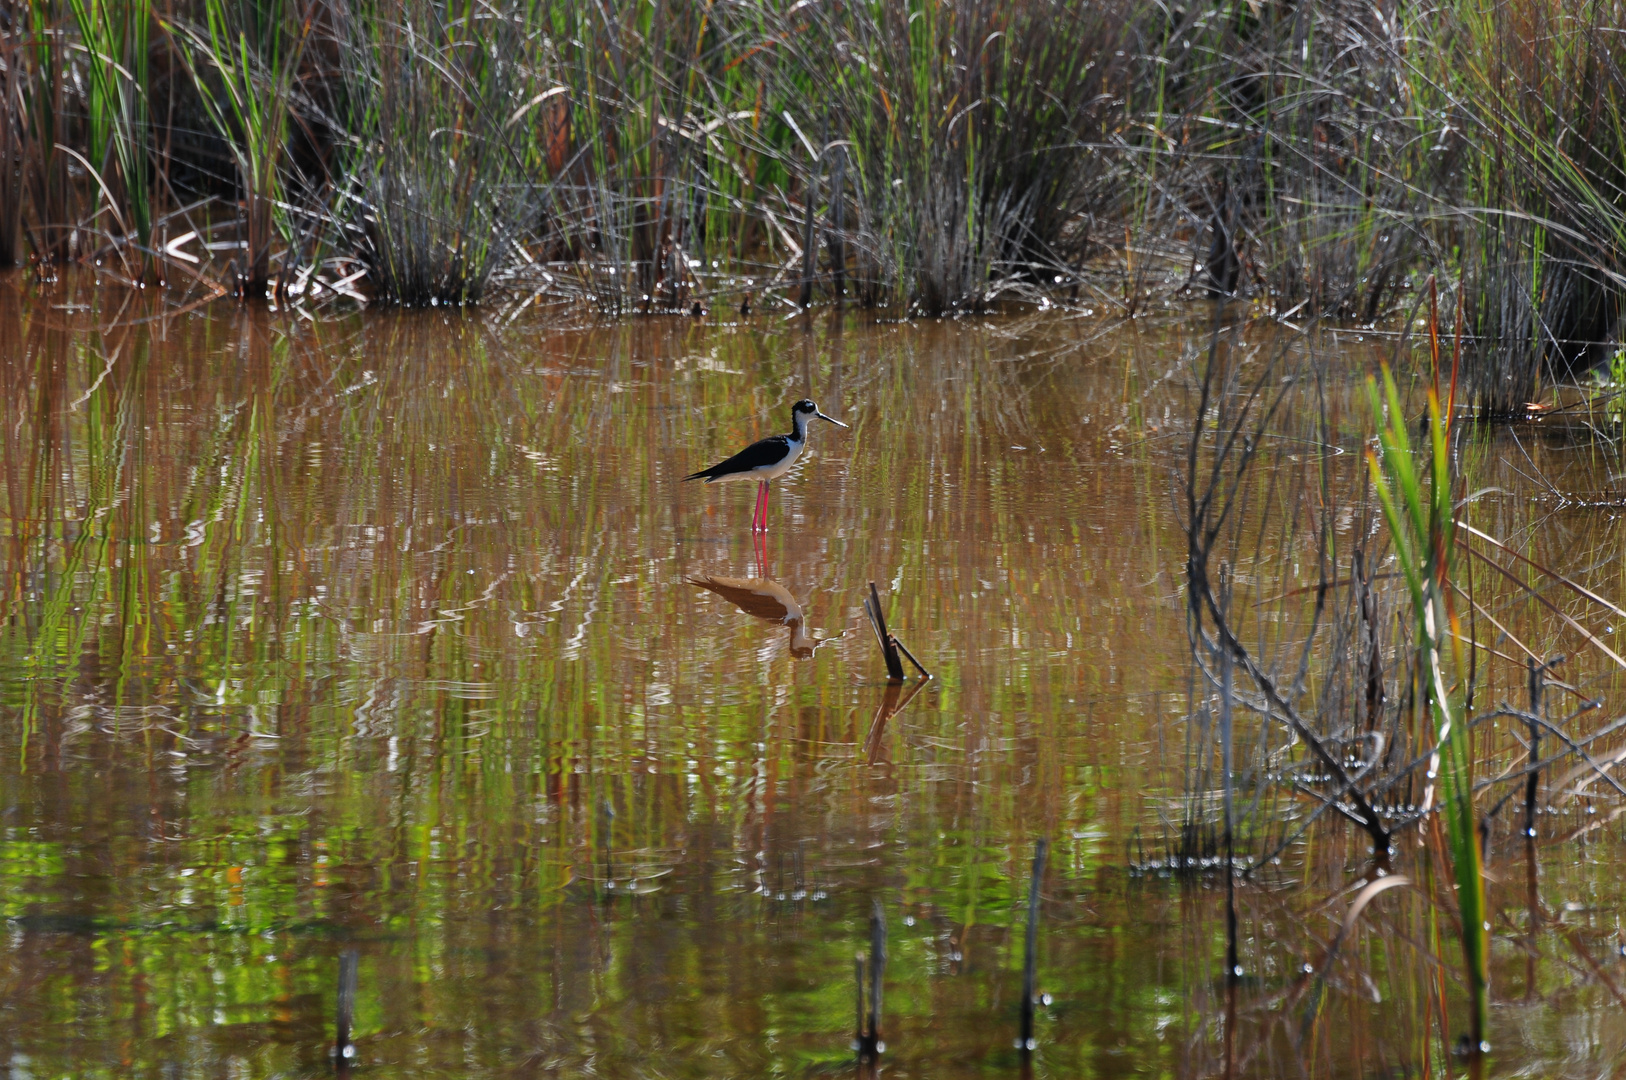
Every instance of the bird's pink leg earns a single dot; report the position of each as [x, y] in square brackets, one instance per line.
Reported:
[756, 511]
[760, 545]
[765, 506]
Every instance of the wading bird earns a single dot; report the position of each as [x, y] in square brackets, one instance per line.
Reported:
[767, 459]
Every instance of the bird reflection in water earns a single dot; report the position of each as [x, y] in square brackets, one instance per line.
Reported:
[766, 599]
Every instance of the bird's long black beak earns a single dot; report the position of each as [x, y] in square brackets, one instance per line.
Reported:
[832, 419]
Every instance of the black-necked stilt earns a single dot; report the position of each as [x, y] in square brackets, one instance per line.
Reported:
[767, 459]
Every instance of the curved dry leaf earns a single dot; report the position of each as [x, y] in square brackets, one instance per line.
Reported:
[1370, 892]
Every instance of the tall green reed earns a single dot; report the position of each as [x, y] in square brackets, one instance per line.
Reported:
[116, 38]
[42, 117]
[12, 97]
[1545, 178]
[1417, 505]
[253, 49]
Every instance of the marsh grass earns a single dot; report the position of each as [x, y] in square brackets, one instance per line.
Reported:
[1544, 179]
[116, 39]
[11, 140]
[647, 158]
[972, 132]
[931, 158]
[244, 71]
[39, 68]
[433, 170]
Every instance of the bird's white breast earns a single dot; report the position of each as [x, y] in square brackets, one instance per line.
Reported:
[782, 466]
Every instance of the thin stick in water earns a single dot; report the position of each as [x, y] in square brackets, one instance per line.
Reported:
[606, 835]
[911, 657]
[344, 1051]
[1025, 1041]
[809, 255]
[1533, 781]
[877, 972]
[1233, 964]
[889, 645]
[858, 986]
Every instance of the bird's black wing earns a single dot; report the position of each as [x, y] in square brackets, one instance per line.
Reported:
[758, 454]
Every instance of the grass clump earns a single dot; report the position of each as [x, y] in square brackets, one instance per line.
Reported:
[1547, 181]
[116, 40]
[431, 173]
[972, 134]
[244, 69]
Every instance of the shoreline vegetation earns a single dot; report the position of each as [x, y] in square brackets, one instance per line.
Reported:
[1321, 160]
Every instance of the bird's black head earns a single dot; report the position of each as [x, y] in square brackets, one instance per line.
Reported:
[805, 410]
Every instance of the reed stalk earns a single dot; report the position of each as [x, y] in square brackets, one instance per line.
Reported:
[1417, 505]
[49, 227]
[116, 35]
[253, 48]
[12, 111]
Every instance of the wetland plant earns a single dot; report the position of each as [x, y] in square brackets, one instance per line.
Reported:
[433, 162]
[1417, 505]
[934, 158]
[972, 131]
[1396, 760]
[37, 70]
[1543, 155]
[244, 70]
[116, 37]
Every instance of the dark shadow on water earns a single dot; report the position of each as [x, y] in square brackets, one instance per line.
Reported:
[896, 698]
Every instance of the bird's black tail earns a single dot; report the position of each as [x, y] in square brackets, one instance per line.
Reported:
[703, 474]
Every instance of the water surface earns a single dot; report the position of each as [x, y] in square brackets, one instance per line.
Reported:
[400, 632]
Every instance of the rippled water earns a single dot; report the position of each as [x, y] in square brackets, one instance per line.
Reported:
[400, 633]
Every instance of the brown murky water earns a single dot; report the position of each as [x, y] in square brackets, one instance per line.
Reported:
[400, 633]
